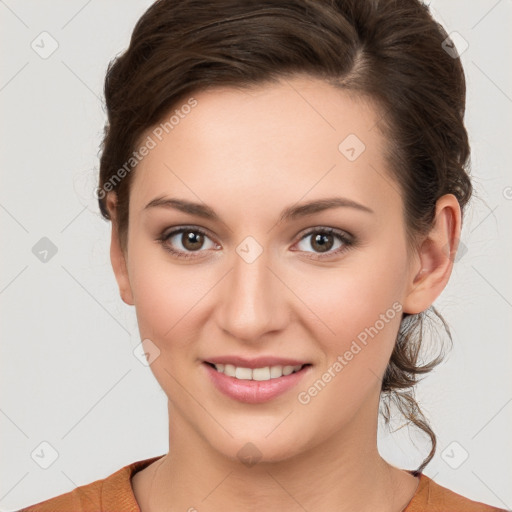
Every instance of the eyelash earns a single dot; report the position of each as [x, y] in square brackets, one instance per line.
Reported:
[347, 240]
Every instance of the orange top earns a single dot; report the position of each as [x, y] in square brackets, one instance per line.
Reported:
[115, 494]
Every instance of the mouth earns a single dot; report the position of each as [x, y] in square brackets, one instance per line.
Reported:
[255, 381]
[261, 374]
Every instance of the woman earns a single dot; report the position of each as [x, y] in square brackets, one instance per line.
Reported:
[286, 183]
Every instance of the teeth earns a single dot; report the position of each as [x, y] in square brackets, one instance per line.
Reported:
[275, 372]
[229, 370]
[261, 373]
[266, 373]
[243, 373]
[287, 370]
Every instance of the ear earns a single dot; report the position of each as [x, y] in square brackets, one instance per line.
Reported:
[435, 256]
[117, 256]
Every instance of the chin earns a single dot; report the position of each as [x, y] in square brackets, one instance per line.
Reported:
[251, 445]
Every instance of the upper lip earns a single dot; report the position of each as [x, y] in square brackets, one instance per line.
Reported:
[257, 362]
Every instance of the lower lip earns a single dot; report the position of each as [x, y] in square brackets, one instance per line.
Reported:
[254, 391]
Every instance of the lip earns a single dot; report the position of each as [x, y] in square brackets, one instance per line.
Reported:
[257, 362]
[253, 391]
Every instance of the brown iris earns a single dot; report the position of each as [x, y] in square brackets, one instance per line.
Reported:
[192, 240]
[322, 242]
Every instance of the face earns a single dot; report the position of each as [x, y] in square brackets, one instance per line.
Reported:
[295, 255]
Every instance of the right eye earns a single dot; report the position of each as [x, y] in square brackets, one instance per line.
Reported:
[185, 241]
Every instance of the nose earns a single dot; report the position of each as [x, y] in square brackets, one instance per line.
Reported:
[252, 300]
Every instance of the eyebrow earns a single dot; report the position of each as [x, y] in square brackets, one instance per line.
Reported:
[289, 213]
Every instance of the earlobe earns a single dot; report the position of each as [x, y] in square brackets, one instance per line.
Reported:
[117, 256]
[435, 257]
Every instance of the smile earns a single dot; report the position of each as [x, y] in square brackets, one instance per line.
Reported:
[259, 374]
[257, 384]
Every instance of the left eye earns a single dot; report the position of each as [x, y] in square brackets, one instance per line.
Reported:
[322, 240]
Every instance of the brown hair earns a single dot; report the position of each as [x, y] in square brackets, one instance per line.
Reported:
[390, 51]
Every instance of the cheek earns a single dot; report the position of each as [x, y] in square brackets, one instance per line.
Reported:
[163, 293]
[359, 305]
[363, 313]
[348, 299]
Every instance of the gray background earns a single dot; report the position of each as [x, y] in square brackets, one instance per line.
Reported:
[69, 377]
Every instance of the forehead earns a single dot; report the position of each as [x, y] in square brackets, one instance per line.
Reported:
[272, 143]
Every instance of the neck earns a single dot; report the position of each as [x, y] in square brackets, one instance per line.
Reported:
[342, 473]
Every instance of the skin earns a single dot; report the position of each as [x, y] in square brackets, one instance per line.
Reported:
[249, 154]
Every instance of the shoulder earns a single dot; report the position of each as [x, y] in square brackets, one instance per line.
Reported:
[432, 497]
[113, 491]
